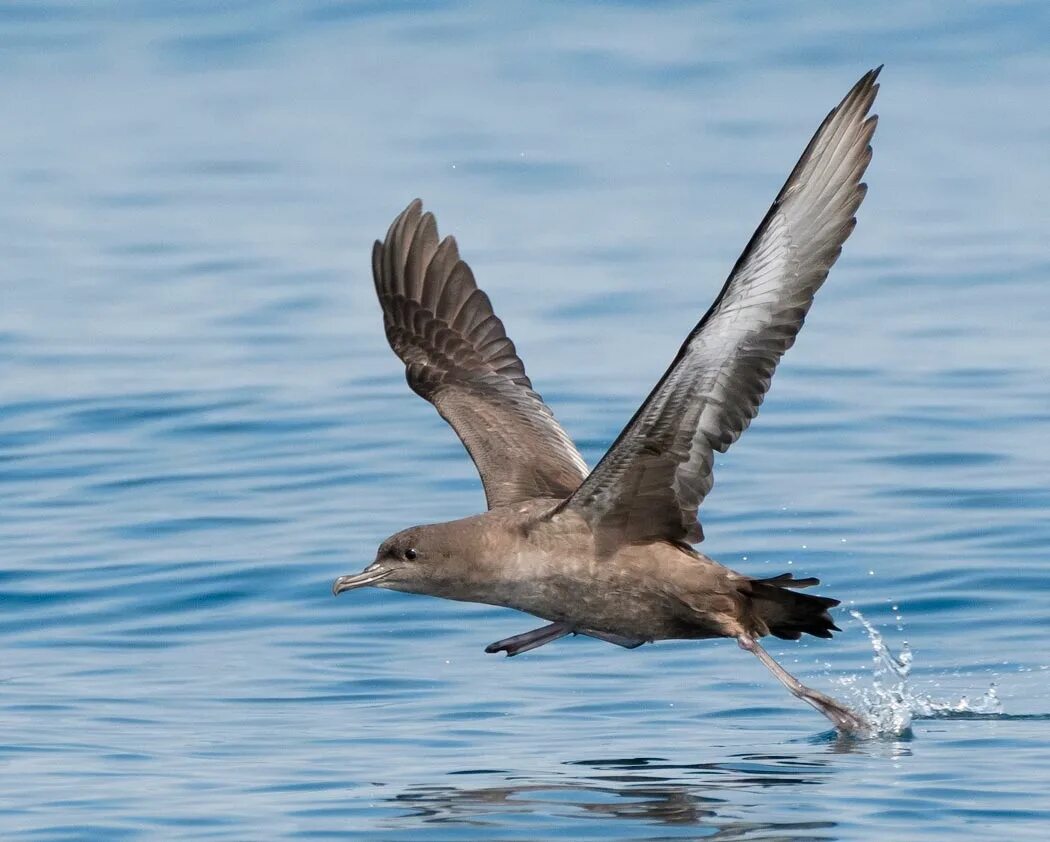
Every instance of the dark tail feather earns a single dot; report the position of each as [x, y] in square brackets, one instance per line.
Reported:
[786, 614]
[788, 580]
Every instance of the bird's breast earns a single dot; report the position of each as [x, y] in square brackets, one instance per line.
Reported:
[634, 597]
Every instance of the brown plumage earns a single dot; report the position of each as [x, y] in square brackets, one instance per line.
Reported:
[607, 554]
[458, 357]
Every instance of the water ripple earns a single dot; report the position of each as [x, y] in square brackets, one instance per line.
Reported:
[201, 426]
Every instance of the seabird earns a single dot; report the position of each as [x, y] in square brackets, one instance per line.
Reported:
[608, 553]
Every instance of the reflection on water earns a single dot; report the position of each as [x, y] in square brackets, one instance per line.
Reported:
[651, 802]
[622, 789]
[652, 790]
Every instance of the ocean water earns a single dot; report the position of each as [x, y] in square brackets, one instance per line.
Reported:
[201, 425]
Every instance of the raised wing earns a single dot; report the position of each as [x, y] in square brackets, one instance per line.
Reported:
[459, 358]
[654, 477]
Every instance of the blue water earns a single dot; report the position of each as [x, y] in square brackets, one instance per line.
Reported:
[201, 425]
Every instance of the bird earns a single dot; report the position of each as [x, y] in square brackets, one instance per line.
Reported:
[610, 553]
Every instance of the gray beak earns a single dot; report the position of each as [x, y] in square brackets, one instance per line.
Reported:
[369, 576]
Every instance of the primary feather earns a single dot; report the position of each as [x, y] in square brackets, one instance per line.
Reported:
[458, 356]
[651, 482]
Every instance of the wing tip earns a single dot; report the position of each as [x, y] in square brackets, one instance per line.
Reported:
[866, 88]
[413, 208]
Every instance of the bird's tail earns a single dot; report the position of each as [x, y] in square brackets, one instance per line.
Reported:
[777, 610]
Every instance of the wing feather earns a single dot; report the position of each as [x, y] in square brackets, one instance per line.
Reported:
[458, 356]
[650, 484]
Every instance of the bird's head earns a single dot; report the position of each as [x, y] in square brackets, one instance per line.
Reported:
[420, 560]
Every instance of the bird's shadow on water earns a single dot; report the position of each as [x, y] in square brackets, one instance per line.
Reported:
[727, 799]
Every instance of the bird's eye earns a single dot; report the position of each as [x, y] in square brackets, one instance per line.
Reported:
[411, 554]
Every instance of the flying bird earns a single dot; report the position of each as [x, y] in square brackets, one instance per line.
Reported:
[608, 553]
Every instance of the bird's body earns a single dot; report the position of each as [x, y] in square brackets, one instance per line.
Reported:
[522, 557]
[535, 559]
[607, 553]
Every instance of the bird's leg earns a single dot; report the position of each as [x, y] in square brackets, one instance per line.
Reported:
[530, 639]
[618, 639]
[845, 720]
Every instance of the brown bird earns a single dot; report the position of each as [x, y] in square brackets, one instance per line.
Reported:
[608, 553]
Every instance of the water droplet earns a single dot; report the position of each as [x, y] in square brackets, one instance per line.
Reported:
[890, 703]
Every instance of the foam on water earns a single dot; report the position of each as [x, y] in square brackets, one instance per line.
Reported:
[890, 703]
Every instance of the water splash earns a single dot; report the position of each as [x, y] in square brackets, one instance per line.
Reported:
[891, 705]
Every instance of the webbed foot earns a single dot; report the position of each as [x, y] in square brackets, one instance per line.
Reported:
[529, 640]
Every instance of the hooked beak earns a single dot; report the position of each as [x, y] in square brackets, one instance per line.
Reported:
[369, 576]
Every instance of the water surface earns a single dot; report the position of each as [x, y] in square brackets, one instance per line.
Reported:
[201, 424]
